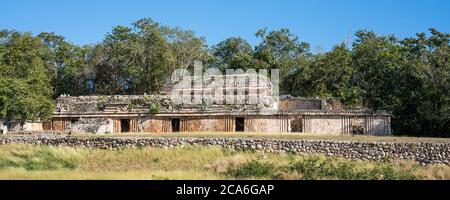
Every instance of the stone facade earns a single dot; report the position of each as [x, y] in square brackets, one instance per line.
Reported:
[26, 126]
[295, 103]
[421, 152]
[158, 113]
[319, 123]
[134, 114]
[92, 125]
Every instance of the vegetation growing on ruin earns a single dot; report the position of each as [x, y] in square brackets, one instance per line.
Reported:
[101, 106]
[138, 102]
[195, 162]
[408, 76]
[154, 108]
[319, 167]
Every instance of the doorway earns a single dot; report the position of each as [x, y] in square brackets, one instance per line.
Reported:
[175, 124]
[297, 125]
[124, 125]
[239, 124]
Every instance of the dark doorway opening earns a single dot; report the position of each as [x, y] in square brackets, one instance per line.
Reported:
[357, 130]
[175, 124]
[239, 124]
[124, 125]
[297, 125]
[73, 121]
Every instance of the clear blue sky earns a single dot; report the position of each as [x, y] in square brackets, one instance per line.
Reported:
[320, 22]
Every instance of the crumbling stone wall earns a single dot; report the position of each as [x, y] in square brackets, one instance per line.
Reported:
[333, 104]
[310, 123]
[347, 124]
[26, 126]
[92, 125]
[191, 124]
[145, 104]
[121, 103]
[294, 115]
[270, 123]
[297, 103]
[421, 152]
[60, 124]
[154, 124]
[210, 123]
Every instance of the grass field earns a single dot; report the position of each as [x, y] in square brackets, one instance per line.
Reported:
[312, 136]
[194, 162]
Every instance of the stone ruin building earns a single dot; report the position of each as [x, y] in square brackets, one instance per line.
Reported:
[159, 114]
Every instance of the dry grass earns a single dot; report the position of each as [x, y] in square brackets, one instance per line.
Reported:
[222, 164]
[310, 136]
[191, 162]
[436, 172]
[22, 174]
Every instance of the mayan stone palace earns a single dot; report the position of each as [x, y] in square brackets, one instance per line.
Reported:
[166, 112]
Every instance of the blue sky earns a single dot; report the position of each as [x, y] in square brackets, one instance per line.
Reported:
[320, 22]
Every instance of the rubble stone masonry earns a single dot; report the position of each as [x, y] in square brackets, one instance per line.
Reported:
[421, 152]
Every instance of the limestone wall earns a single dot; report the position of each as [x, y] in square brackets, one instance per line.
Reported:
[420, 152]
[343, 124]
[264, 123]
[307, 123]
[323, 124]
[150, 124]
[297, 103]
[92, 125]
[26, 126]
[253, 123]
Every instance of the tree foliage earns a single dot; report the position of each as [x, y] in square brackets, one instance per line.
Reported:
[25, 89]
[233, 53]
[67, 64]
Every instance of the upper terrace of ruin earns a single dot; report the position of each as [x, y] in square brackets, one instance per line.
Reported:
[228, 85]
[157, 104]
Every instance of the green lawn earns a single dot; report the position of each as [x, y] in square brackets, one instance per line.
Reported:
[195, 162]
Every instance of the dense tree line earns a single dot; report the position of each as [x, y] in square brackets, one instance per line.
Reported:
[409, 77]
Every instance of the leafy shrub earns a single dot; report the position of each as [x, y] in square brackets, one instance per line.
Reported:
[315, 167]
[387, 172]
[135, 103]
[254, 168]
[140, 101]
[101, 106]
[154, 108]
[132, 106]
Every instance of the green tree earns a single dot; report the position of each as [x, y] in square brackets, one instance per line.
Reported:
[379, 62]
[426, 99]
[333, 76]
[25, 87]
[153, 59]
[68, 64]
[233, 53]
[280, 49]
[187, 48]
[408, 77]
[140, 59]
[111, 62]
